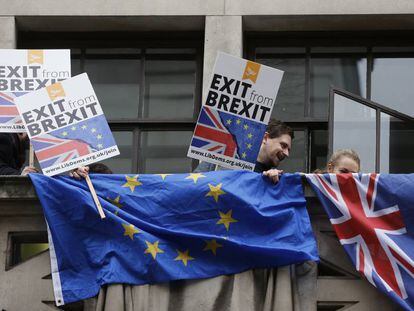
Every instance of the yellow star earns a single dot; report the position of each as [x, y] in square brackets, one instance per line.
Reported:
[238, 121]
[164, 175]
[73, 128]
[212, 246]
[65, 134]
[130, 230]
[226, 219]
[229, 121]
[99, 136]
[195, 176]
[84, 127]
[153, 249]
[249, 146]
[132, 182]
[215, 191]
[246, 127]
[115, 201]
[184, 257]
[244, 155]
[250, 135]
[93, 130]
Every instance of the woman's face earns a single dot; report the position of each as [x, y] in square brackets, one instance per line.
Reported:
[343, 165]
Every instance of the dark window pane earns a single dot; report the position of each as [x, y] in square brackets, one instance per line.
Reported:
[169, 89]
[355, 127]
[319, 149]
[291, 96]
[123, 162]
[165, 152]
[76, 67]
[116, 83]
[392, 83]
[348, 73]
[296, 161]
[397, 145]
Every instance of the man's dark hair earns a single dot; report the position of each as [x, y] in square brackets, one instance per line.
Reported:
[277, 128]
[99, 168]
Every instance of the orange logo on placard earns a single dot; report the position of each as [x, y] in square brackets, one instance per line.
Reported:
[55, 90]
[251, 71]
[35, 56]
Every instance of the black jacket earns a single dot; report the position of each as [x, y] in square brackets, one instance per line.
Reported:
[12, 154]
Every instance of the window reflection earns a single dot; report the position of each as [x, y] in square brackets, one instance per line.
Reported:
[169, 88]
[396, 145]
[348, 73]
[291, 96]
[165, 152]
[392, 83]
[122, 164]
[354, 127]
[116, 84]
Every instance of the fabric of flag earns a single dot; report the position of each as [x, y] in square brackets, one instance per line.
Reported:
[8, 111]
[166, 227]
[228, 134]
[73, 141]
[373, 217]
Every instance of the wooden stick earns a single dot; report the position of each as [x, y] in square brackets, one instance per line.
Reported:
[95, 197]
[31, 155]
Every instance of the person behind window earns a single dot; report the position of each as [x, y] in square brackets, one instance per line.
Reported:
[342, 161]
[13, 154]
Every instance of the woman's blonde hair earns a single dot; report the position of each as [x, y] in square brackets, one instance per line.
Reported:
[349, 153]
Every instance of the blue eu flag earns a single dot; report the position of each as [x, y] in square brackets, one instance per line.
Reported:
[165, 227]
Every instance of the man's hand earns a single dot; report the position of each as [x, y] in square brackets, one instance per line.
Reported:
[80, 172]
[28, 170]
[273, 174]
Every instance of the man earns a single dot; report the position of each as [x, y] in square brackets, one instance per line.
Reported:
[13, 154]
[275, 147]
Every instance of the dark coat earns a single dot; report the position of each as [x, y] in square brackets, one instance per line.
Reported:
[12, 154]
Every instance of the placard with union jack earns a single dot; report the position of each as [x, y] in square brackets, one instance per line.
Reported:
[66, 125]
[373, 217]
[23, 71]
[234, 115]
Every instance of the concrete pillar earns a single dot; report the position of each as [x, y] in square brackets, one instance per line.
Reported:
[222, 33]
[7, 33]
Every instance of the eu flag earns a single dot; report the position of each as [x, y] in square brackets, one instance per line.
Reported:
[166, 227]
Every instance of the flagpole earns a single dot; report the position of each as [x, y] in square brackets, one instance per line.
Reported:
[95, 197]
[31, 155]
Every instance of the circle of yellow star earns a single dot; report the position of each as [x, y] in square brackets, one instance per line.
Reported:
[132, 182]
[130, 230]
[229, 121]
[226, 219]
[244, 155]
[115, 201]
[249, 146]
[184, 257]
[250, 135]
[215, 191]
[212, 246]
[246, 127]
[153, 249]
[195, 176]
[238, 121]
[163, 176]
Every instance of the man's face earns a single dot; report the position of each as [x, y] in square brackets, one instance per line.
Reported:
[275, 150]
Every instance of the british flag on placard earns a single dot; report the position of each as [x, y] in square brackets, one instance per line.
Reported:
[52, 150]
[211, 134]
[8, 110]
[373, 217]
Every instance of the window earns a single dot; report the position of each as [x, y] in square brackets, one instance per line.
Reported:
[373, 66]
[149, 89]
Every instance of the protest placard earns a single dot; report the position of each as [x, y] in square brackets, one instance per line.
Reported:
[23, 71]
[233, 118]
[66, 125]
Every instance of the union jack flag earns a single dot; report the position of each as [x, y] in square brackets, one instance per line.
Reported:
[373, 217]
[8, 111]
[52, 150]
[211, 134]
